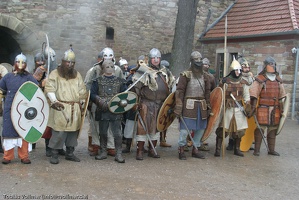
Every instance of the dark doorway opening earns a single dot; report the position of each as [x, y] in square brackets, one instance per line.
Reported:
[9, 47]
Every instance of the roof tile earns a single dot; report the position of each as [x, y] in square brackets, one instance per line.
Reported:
[257, 17]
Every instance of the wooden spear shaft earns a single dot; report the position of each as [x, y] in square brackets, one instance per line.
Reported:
[224, 87]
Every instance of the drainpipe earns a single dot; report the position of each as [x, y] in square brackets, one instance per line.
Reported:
[295, 50]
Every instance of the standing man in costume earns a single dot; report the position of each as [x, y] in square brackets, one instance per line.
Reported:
[192, 98]
[268, 87]
[235, 119]
[92, 74]
[152, 90]
[3, 72]
[93, 133]
[163, 142]
[40, 74]
[248, 76]
[206, 66]
[66, 90]
[103, 89]
[9, 85]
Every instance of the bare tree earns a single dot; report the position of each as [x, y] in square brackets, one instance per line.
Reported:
[184, 35]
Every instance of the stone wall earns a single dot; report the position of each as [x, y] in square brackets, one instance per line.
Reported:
[138, 25]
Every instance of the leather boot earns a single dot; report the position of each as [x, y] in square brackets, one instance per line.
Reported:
[102, 155]
[54, 156]
[69, 155]
[61, 152]
[95, 150]
[197, 154]
[218, 146]
[90, 147]
[118, 146]
[103, 151]
[163, 142]
[257, 142]
[128, 145]
[151, 152]
[237, 151]
[271, 137]
[182, 153]
[230, 145]
[48, 149]
[118, 157]
[140, 147]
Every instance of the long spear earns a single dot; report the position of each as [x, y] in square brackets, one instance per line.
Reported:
[224, 86]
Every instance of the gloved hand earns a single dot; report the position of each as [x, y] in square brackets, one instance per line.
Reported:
[39, 72]
[178, 109]
[248, 109]
[253, 107]
[102, 104]
[57, 106]
[137, 106]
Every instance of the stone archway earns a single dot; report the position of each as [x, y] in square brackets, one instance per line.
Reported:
[17, 38]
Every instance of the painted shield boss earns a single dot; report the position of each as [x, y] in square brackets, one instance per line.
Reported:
[166, 114]
[122, 102]
[30, 112]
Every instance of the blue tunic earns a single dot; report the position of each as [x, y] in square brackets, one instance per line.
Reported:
[10, 84]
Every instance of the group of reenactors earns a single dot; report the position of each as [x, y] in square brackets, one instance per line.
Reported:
[124, 103]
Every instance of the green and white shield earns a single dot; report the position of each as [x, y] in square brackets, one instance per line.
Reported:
[122, 102]
[30, 112]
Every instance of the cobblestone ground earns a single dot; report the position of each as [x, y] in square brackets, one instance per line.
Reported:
[228, 177]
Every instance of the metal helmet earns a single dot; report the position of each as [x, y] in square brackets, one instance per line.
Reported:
[165, 63]
[101, 55]
[122, 62]
[51, 52]
[205, 61]
[39, 57]
[108, 54]
[235, 65]
[243, 61]
[154, 53]
[69, 55]
[21, 58]
[108, 67]
[270, 60]
[196, 56]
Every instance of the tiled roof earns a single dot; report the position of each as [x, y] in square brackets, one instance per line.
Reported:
[248, 18]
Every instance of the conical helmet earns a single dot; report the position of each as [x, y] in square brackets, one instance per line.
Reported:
[243, 61]
[235, 65]
[69, 55]
[21, 57]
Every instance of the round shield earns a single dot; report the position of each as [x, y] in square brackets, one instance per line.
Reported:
[122, 102]
[166, 114]
[216, 100]
[30, 112]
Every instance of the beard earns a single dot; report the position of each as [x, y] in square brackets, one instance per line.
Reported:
[67, 73]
